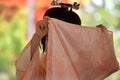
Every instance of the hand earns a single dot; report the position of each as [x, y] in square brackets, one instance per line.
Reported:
[42, 27]
[101, 26]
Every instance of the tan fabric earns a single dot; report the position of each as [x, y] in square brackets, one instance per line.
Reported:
[74, 53]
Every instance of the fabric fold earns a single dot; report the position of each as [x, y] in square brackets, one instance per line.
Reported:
[74, 52]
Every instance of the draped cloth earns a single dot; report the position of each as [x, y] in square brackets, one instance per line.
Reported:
[74, 52]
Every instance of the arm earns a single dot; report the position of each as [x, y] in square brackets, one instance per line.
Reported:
[41, 31]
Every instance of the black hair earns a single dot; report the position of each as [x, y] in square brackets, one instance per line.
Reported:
[62, 14]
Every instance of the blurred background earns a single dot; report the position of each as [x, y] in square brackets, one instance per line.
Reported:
[18, 18]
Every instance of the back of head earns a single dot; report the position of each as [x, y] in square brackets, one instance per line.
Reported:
[63, 14]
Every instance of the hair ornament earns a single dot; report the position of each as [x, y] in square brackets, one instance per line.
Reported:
[68, 6]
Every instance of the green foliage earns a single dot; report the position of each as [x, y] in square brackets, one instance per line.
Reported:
[12, 41]
[114, 76]
[117, 46]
